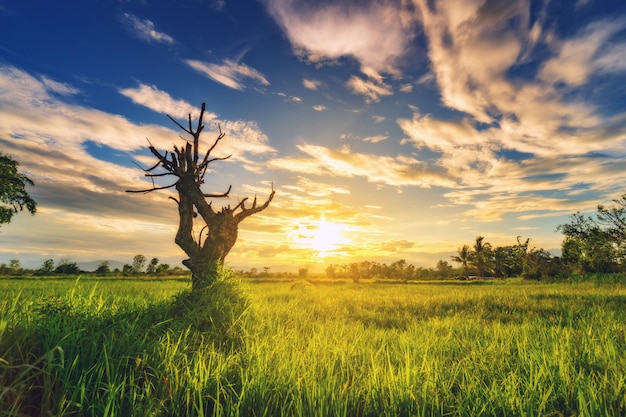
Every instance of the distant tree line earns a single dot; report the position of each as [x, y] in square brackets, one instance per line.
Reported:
[482, 260]
[138, 267]
[399, 270]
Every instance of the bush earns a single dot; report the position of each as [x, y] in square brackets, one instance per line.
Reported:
[216, 311]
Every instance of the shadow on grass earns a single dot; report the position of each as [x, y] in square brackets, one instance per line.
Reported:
[89, 355]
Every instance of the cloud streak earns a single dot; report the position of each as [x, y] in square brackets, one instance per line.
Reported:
[144, 29]
[229, 73]
[398, 171]
[161, 102]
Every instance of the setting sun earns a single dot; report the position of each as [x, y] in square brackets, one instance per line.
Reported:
[326, 237]
[323, 237]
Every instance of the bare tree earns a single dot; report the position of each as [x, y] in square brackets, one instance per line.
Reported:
[216, 238]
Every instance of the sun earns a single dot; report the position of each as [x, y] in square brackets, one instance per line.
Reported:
[326, 237]
[323, 237]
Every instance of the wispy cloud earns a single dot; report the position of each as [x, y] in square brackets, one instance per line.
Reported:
[372, 90]
[59, 88]
[319, 107]
[406, 88]
[593, 51]
[145, 29]
[161, 102]
[396, 171]
[376, 139]
[229, 73]
[374, 33]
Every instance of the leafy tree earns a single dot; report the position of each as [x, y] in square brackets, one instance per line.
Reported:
[127, 269]
[614, 219]
[208, 249]
[331, 271]
[14, 266]
[588, 246]
[502, 261]
[537, 264]
[66, 267]
[177, 270]
[163, 269]
[13, 194]
[103, 268]
[444, 269]
[464, 258]
[354, 272]
[139, 262]
[47, 268]
[481, 257]
[152, 265]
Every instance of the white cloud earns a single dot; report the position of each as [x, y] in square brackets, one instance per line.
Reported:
[59, 88]
[370, 89]
[161, 102]
[406, 88]
[312, 84]
[586, 54]
[319, 107]
[145, 29]
[374, 33]
[230, 74]
[376, 139]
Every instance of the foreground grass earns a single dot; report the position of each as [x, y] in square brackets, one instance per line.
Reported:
[501, 349]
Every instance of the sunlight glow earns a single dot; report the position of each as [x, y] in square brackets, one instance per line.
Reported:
[326, 237]
[323, 237]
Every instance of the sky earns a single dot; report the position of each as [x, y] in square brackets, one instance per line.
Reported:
[389, 129]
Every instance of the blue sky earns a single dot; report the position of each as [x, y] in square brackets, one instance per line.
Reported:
[389, 129]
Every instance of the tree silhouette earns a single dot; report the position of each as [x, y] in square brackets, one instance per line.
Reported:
[219, 234]
[13, 195]
[481, 256]
[464, 258]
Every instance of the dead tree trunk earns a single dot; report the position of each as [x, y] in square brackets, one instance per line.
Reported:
[219, 234]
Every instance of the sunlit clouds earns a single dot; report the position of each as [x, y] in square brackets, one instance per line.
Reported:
[397, 171]
[590, 52]
[389, 129]
[161, 102]
[374, 33]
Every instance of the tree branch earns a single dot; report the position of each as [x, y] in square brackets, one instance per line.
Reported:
[254, 209]
[179, 125]
[219, 195]
[151, 189]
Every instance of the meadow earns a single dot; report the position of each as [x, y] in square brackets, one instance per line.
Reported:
[143, 348]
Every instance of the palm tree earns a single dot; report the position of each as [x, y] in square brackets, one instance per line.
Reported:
[464, 257]
[481, 258]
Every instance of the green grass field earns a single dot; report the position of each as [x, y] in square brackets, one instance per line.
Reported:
[131, 348]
